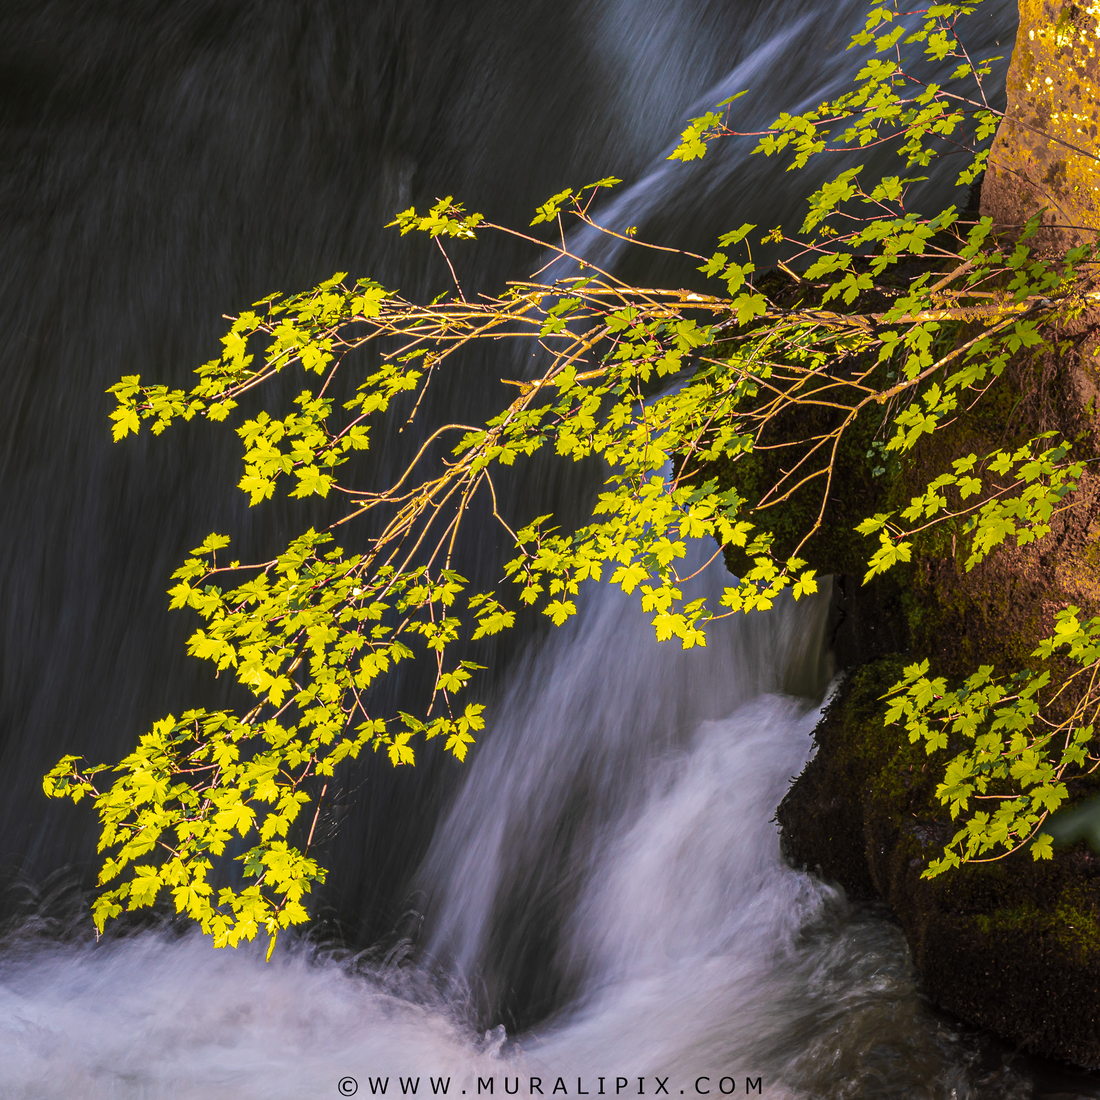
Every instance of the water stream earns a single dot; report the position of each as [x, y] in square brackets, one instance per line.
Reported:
[609, 864]
[598, 893]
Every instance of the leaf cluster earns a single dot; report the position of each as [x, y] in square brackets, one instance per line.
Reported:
[1016, 741]
[651, 386]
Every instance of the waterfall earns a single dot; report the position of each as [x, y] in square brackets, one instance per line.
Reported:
[598, 893]
[586, 742]
[612, 843]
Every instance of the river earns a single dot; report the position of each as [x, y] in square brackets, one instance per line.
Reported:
[597, 894]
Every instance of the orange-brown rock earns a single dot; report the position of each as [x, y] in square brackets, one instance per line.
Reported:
[1045, 154]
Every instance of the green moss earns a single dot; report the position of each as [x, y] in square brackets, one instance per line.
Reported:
[889, 760]
[861, 787]
[1071, 927]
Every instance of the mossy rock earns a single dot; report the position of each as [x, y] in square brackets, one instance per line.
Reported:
[1012, 946]
[826, 815]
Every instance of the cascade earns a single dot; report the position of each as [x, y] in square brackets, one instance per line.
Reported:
[598, 892]
[609, 859]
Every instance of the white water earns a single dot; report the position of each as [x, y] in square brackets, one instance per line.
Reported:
[628, 797]
[680, 920]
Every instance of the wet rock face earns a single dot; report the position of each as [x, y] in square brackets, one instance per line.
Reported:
[1011, 946]
[1044, 155]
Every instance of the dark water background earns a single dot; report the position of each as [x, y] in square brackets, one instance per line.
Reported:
[166, 164]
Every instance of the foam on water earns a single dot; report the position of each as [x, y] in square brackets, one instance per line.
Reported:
[684, 949]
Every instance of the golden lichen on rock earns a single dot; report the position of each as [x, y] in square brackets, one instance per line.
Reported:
[1044, 155]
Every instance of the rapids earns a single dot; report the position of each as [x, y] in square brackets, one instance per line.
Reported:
[598, 893]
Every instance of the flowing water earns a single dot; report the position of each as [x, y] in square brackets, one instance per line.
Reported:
[609, 865]
[597, 895]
